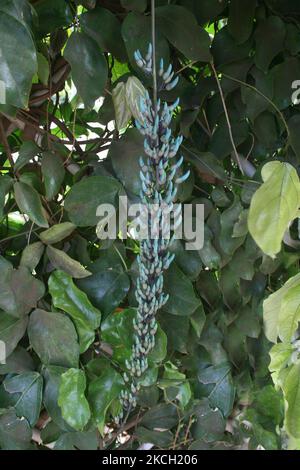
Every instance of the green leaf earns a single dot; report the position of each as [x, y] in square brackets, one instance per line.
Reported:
[122, 110]
[18, 59]
[52, 378]
[135, 90]
[67, 297]
[57, 233]
[241, 16]
[182, 300]
[280, 355]
[108, 36]
[26, 390]
[29, 203]
[60, 260]
[210, 424]
[136, 5]
[12, 329]
[53, 174]
[15, 433]
[223, 392]
[107, 286]
[179, 387]
[71, 399]
[84, 198]
[125, 154]
[43, 68]
[269, 38]
[102, 392]
[274, 205]
[221, 145]
[49, 333]
[117, 330]
[83, 53]
[164, 413]
[136, 32]
[180, 28]
[284, 75]
[225, 49]
[17, 362]
[5, 184]
[208, 10]
[27, 152]
[282, 312]
[161, 439]
[19, 290]
[52, 15]
[228, 219]
[294, 133]
[31, 255]
[291, 390]
[77, 441]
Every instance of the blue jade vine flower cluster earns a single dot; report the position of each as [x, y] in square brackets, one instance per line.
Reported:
[160, 180]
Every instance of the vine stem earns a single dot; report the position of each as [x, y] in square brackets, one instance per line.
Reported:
[153, 28]
[227, 119]
[247, 85]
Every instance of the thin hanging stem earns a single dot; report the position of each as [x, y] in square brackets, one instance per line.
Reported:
[154, 54]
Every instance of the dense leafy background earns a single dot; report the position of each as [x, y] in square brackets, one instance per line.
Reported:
[67, 301]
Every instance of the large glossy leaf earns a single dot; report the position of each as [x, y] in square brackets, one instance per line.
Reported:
[102, 392]
[274, 206]
[52, 15]
[16, 69]
[135, 91]
[103, 26]
[124, 154]
[71, 399]
[61, 260]
[117, 330]
[291, 389]
[53, 173]
[84, 198]
[108, 285]
[164, 413]
[269, 38]
[27, 152]
[5, 184]
[29, 203]
[19, 361]
[282, 312]
[15, 433]
[19, 290]
[67, 297]
[84, 440]
[182, 300]
[180, 27]
[52, 378]
[31, 255]
[122, 110]
[136, 32]
[90, 84]
[222, 393]
[136, 5]
[49, 333]
[57, 233]
[241, 16]
[12, 330]
[26, 392]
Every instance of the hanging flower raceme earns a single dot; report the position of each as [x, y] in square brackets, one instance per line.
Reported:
[160, 180]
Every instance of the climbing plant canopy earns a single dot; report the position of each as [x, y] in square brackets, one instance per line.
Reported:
[225, 369]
